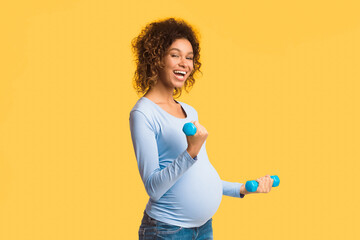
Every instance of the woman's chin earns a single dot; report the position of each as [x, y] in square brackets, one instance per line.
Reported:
[179, 84]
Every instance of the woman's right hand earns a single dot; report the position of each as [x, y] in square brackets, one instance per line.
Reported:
[196, 141]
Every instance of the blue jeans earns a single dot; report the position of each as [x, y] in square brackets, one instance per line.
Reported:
[153, 229]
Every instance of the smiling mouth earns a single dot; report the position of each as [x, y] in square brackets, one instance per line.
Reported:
[180, 74]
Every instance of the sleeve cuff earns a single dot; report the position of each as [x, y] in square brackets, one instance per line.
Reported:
[238, 186]
[189, 157]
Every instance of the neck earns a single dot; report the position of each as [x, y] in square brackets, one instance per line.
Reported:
[161, 94]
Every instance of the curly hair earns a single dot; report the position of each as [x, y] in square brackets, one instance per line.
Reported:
[150, 46]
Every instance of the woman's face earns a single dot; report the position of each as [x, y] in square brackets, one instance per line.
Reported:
[178, 64]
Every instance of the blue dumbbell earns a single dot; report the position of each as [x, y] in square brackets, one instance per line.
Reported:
[251, 186]
[189, 129]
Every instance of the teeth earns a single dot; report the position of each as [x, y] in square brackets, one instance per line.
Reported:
[182, 72]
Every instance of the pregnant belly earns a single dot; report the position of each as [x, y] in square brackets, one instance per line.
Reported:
[196, 196]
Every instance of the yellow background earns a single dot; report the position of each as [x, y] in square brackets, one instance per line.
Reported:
[279, 95]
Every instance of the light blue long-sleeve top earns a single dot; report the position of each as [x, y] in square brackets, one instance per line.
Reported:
[183, 191]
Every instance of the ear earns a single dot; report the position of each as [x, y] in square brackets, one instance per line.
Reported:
[162, 62]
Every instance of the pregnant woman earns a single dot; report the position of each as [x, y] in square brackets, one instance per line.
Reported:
[184, 188]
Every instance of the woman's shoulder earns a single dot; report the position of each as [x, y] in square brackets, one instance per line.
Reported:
[142, 106]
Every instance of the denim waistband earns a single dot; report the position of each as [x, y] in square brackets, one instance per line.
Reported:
[148, 219]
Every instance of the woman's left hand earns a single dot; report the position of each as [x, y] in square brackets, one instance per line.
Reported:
[265, 184]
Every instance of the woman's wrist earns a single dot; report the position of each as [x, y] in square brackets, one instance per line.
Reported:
[192, 153]
[243, 190]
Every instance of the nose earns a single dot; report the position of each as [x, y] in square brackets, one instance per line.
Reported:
[183, 63]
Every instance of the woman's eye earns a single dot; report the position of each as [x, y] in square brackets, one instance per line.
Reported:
[190, 58]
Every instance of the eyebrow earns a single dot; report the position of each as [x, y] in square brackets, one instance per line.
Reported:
[179, 50]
